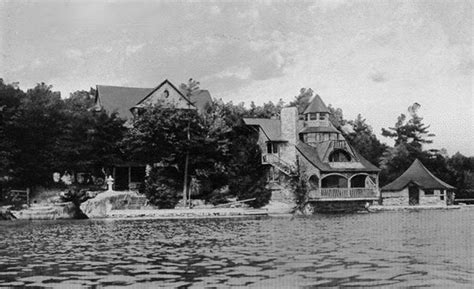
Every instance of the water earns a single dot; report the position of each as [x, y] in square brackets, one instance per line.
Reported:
[400, 249]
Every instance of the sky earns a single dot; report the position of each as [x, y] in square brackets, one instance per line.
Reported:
[375, 58]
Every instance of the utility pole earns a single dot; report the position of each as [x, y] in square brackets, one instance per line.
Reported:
[186, 165]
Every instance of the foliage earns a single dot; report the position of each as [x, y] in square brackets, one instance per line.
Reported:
[364, 141]
[161, 187]
[43, 133]
[246, 174]
[302, 100]
[409, 136]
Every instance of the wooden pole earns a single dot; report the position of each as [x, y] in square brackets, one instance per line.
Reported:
[186, 165]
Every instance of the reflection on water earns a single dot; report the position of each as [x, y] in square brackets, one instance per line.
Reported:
[391, 248]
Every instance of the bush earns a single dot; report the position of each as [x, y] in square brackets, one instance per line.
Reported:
[161, 189]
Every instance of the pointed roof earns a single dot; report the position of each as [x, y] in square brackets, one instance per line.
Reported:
[119, 98]
[122, 99]
[418, 174]
[317, 156]
[316, 105]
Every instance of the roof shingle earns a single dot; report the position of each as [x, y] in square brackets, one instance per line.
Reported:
[418, 174]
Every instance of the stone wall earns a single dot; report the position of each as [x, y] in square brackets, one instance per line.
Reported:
[434, 199]
[400, 198]
[289, 119]
[395, 198]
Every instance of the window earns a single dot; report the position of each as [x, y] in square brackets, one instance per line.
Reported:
[339, 156]
[166, 93]
[313, 116]
[311, 137]
[429, 192]
[322, 116]
[272, 148]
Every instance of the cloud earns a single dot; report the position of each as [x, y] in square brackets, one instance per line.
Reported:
[74, 53]
[215, 10]
[132, 49]
[235, 72]
[378, 76]
[327, 5]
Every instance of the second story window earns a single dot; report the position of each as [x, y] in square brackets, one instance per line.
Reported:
[313, 116]
[339, 156]
[272, 148]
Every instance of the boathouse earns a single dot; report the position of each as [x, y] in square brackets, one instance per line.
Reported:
[128, 102]
[417, 186]
[308, 146]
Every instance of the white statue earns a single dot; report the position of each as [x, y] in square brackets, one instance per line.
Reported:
[110, 183]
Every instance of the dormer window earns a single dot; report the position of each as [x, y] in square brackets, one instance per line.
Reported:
[313, 116]
[322, 116]
[339, 156]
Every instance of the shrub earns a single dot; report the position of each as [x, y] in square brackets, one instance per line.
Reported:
[161, 188]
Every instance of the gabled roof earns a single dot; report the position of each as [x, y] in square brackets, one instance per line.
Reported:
[316, 105]
[166, 81]
[122, 99]
[316, 155]
[270, 127]
[119, 98]
[418, 174]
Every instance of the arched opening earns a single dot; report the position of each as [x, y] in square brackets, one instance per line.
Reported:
[339, 156]
[358, 181]
[314, 182]
[334, 181]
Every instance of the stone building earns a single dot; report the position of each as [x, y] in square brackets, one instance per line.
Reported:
[128, 102]
[417, 186]
[308, 147]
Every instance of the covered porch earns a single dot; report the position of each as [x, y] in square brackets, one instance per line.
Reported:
[344, 187]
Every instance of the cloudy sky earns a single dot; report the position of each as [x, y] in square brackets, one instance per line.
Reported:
[370, 57]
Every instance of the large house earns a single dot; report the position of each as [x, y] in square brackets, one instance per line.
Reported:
[128, 101]
[309, 147]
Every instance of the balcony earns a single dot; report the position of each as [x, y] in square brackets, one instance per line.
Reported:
[344, 194]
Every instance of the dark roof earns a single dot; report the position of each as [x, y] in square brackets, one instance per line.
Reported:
[122, 99]
[311, 129]
[271, 127]
[418, 174]
[315, 156]
[119, 98]
[316, 105]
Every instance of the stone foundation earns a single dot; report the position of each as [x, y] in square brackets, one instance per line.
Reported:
[340, 206]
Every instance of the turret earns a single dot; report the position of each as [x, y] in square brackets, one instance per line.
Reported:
[317, 127]
[317, 113]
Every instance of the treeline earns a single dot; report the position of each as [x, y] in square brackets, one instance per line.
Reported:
[41, 133]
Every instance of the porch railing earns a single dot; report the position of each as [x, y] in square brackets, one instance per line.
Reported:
[344, 193]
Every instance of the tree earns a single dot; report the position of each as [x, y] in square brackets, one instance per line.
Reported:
[302, 100]
[364, 141]
[10, 99]
[34, 130]
[409, 136]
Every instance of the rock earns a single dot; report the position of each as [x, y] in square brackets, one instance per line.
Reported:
[66, 210]
[6, 214]
[103, 203]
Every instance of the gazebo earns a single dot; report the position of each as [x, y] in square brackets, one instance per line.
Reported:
[417, 186]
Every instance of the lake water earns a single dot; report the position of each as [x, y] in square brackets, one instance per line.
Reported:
[400, 249]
